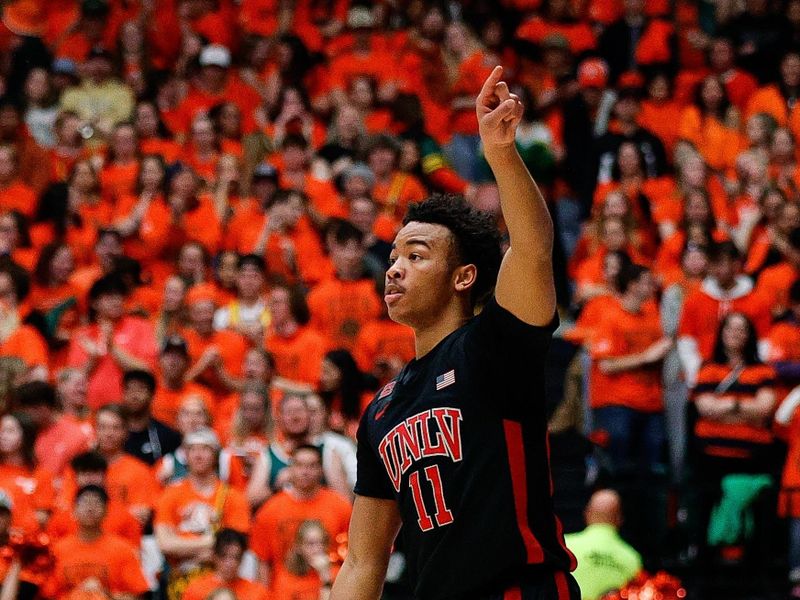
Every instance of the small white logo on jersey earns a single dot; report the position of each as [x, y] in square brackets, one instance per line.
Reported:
[442, 381]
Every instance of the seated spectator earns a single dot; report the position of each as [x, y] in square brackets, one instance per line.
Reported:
[90, 468]
[307, 567]
[112, 343]
[276, 522]
[91, 561]
[606, 562]
[190, 511]
[229, 547]
[148, 438]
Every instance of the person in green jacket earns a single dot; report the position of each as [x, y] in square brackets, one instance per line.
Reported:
[605, 561]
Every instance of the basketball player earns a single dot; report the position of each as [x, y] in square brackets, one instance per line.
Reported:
[455, 448]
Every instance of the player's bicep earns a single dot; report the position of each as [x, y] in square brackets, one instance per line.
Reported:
[525, 287]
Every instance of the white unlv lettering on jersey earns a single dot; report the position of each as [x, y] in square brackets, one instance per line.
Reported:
[434, 432]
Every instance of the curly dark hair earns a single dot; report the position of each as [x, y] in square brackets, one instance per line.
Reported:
[475, 235]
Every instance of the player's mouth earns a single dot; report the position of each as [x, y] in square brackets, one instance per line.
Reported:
[392, 294]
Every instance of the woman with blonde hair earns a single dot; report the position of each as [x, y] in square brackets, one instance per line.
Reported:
[307, 571]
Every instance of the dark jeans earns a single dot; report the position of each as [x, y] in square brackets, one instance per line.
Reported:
[636, 440]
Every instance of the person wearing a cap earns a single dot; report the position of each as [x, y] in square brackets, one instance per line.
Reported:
[101, 100]
[172, 387]
[191, 511]
[217, 83]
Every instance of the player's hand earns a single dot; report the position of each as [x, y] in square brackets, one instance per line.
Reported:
[498, 111]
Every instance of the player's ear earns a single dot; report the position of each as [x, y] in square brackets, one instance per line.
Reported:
[464, 277]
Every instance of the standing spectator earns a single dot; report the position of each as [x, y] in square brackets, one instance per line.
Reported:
[93, 562]
[248, 313]
[723, 291]
[172, 387]
[341, 305]
[191, 511]
[606, 562]
[90, 468]
[148, 438]
[276, 523]
[101, 101]
[112, 343]
[306, 570]
[229, 547]
[60, 437]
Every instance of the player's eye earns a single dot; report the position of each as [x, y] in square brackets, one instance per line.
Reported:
[414, 256]
[392, 260]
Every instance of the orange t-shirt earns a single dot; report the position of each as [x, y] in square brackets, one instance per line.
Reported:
[752, 378]
[774, 283]
[109, 559]
[129, 481]
[118, 180]
[620, 333]
[298, 357]
[193, 514]
[397, 193]
[383, 339]
[27, 343]
[201, 588]
[59, 443]
[719, 145]
[579, 35]
[35, 484]
[340, 308]
[20, 197]
[288, 586]
[276, 522]
[232, 347]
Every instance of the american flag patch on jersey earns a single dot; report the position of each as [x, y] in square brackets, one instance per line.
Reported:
[387, 389]
[442, 381]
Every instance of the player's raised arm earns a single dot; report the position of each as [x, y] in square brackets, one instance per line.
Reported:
[525, 284]
[373, 528]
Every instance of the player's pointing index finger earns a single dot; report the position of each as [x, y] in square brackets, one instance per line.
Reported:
[488, 86]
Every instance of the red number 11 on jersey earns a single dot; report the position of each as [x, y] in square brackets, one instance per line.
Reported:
[443, 515]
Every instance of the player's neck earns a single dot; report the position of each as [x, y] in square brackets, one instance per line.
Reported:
[427, 336]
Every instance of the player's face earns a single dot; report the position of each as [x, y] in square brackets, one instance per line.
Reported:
[419, 281]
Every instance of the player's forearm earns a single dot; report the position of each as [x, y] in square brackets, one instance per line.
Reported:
[530, 226]
[357, 581]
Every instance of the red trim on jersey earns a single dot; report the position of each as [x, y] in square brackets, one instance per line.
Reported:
[573, 562]
[561, 585]
[514, 594]
[519, 485]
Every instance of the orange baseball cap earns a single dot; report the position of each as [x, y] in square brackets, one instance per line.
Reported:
[593, 73]
[24, 17]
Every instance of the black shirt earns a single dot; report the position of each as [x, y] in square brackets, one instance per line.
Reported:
[153, 442]
[459, 440]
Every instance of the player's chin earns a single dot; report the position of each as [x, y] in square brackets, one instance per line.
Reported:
[397, 313]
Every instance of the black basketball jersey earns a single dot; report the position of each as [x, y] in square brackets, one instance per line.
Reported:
[459, 440]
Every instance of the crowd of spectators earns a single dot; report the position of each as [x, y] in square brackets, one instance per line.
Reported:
[197, 204]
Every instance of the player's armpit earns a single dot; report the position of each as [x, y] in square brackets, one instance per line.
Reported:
[373, 528]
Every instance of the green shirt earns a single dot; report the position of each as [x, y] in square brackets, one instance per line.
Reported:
[605, 561]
